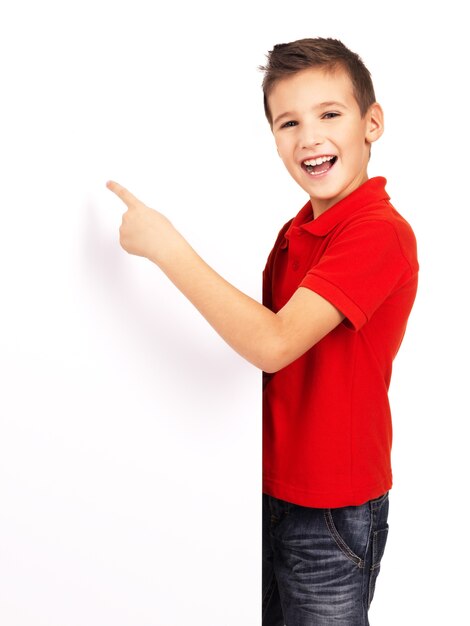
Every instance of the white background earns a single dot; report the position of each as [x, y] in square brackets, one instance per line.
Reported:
[130, 435]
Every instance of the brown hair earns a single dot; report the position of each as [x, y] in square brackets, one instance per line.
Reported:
[286, 59]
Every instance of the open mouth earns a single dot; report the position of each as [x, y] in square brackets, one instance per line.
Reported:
[320, 165]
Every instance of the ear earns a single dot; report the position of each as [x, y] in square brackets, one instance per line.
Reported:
[375, 122]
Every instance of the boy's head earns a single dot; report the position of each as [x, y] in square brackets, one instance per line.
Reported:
[321, 106]
[287, 59]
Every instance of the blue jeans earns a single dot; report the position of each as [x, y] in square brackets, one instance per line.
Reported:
[320, 565]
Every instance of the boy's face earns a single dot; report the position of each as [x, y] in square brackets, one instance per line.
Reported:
[316, 116]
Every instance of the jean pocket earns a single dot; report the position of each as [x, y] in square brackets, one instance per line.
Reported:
[349, 527]
[379, 540]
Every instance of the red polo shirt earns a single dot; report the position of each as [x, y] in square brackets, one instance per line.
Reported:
[327, 431]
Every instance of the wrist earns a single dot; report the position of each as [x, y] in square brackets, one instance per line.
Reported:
[166, 246]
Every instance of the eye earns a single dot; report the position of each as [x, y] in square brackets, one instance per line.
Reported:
[289, 124]
[330, 115]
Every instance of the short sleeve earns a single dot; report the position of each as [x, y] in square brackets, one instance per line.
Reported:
[361, 267]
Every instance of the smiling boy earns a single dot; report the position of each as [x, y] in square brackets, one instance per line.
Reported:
[321, 134]
[338, 288]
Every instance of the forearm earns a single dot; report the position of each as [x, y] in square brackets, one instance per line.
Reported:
[251, 329]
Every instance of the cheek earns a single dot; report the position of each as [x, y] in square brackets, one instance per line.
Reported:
[352, 147]
[282, 155]
[279, 148]
[284, 151]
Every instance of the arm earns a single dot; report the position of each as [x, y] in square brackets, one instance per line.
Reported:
[268, 340]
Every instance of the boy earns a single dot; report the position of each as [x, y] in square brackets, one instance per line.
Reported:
[338, 288]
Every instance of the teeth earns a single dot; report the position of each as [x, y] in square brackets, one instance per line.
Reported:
[318, 161]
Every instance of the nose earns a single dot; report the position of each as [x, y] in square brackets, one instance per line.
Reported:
[310, 136]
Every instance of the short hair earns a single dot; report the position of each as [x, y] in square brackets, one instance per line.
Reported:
[286, 59]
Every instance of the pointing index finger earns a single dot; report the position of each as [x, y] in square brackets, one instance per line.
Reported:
[122, 193]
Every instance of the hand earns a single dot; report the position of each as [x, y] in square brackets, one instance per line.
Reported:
[144, 231]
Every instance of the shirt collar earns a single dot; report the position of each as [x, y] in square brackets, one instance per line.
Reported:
[371, 191]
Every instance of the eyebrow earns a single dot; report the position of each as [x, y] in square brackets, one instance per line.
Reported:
[321, 105]
[331, 103]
